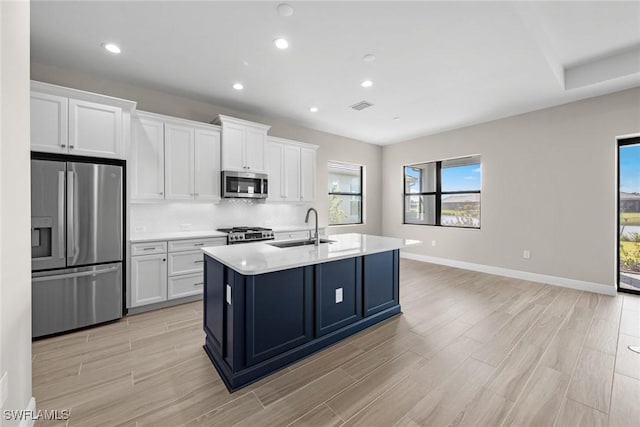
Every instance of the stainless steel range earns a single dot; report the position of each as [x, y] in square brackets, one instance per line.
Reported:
[247, 234]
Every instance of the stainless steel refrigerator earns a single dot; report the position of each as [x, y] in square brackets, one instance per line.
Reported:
[76, 244]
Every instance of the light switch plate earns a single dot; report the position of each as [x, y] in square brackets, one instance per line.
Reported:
[338, 295]
[228, 294]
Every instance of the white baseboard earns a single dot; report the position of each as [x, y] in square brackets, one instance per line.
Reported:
[31, 408]
[516, 274]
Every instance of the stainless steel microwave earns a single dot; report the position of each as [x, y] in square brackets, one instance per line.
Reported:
[244, 185]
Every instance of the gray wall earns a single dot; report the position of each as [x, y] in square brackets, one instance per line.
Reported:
[332, 147]
[15, 206]
[548, 185]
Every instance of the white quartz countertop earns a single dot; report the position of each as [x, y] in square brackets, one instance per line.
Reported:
[195, 234]
[258, 258]
[175, 235]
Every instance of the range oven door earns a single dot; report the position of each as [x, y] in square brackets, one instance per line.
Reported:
[244, 185]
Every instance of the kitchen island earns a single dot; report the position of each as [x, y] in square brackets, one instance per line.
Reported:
[266, 307]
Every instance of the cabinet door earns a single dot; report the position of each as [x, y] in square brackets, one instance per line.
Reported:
[292, 173]
[233, 141]
[380, 279]
[207, 164]
[148, 279]
[254, 149]
[275, 154]
[49, 123]
[95, 129]
[307, 174]
[147, 160]
[338, 294]
[179, 161]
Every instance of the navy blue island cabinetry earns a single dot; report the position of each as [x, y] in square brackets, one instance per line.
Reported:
[256, 324]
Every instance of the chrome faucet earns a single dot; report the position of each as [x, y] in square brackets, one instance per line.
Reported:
[306, 221]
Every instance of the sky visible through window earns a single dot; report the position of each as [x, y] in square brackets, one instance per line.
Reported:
[461, 178]
[630, 168]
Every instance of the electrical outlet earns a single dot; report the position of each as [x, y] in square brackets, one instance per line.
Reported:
[526, 254]
[185, 227]
[228, 294]
[433, 243]
[338, 295]
[139, 228]
[4, 388]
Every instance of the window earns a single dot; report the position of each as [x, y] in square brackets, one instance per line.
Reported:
[445, 193]
[345, 193]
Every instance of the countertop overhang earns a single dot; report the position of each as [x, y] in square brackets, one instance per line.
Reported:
[258, 258]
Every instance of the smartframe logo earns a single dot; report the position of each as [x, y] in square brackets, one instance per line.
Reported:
[39, 415]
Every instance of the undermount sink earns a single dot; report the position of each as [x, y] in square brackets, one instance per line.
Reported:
[294, 243]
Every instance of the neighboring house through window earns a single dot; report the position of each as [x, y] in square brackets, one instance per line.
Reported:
[345, 193]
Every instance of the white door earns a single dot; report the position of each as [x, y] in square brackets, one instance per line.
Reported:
[254, 149]
[207, 164]
[179, 160]
[233, 141]
[275, 152]
[292, 172]
[95, 129]
[49, 123]
[148, 279]
[147, 160]
[307, 174]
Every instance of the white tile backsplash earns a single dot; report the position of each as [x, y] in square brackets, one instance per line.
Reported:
[170, 216]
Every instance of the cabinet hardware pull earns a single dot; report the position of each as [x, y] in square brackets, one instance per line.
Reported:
[148, 249]
[71, 146]
[62, 145]
[198, 244]
[198, 284]
[161, 193]
[198, 262]
[164, 260]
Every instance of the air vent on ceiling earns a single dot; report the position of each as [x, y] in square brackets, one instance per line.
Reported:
[359, 106]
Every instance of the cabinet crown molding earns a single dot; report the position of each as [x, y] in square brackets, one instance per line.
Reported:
[175, 120]
[291, 142]
[82, 95]
[222, 120]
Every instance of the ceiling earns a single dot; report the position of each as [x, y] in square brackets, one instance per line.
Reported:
[438, 66]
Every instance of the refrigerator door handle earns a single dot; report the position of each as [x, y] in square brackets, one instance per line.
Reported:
[61, 183]
[74, 275]
[71, 247]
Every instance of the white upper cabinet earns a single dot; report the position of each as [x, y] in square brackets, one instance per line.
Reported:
[49, 123]
[291, 167]
[70, 121]
[179, 146]
[174, 159]
[147, 159]
[243, 145]
[95, 129]
[207, 164]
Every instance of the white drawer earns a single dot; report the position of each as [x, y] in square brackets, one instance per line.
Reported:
[186, 285]
[148, 248]
[191, 244]
[186, 262]
[292, 235]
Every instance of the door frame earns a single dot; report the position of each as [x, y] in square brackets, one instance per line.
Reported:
[621, 141]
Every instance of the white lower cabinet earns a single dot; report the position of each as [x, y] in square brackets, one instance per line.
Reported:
[149, 279]
[185, 285]
[175, 270]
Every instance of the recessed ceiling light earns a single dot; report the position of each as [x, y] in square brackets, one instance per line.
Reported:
[238, 86]
[281, 43]
[366, 83]
[284, 9]
[313, 109]
[113, 48]
[369, 57]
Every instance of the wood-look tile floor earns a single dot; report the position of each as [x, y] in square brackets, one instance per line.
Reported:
[469, 349]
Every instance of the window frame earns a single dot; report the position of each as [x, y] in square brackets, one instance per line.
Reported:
[438, 193]
[341, 193]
